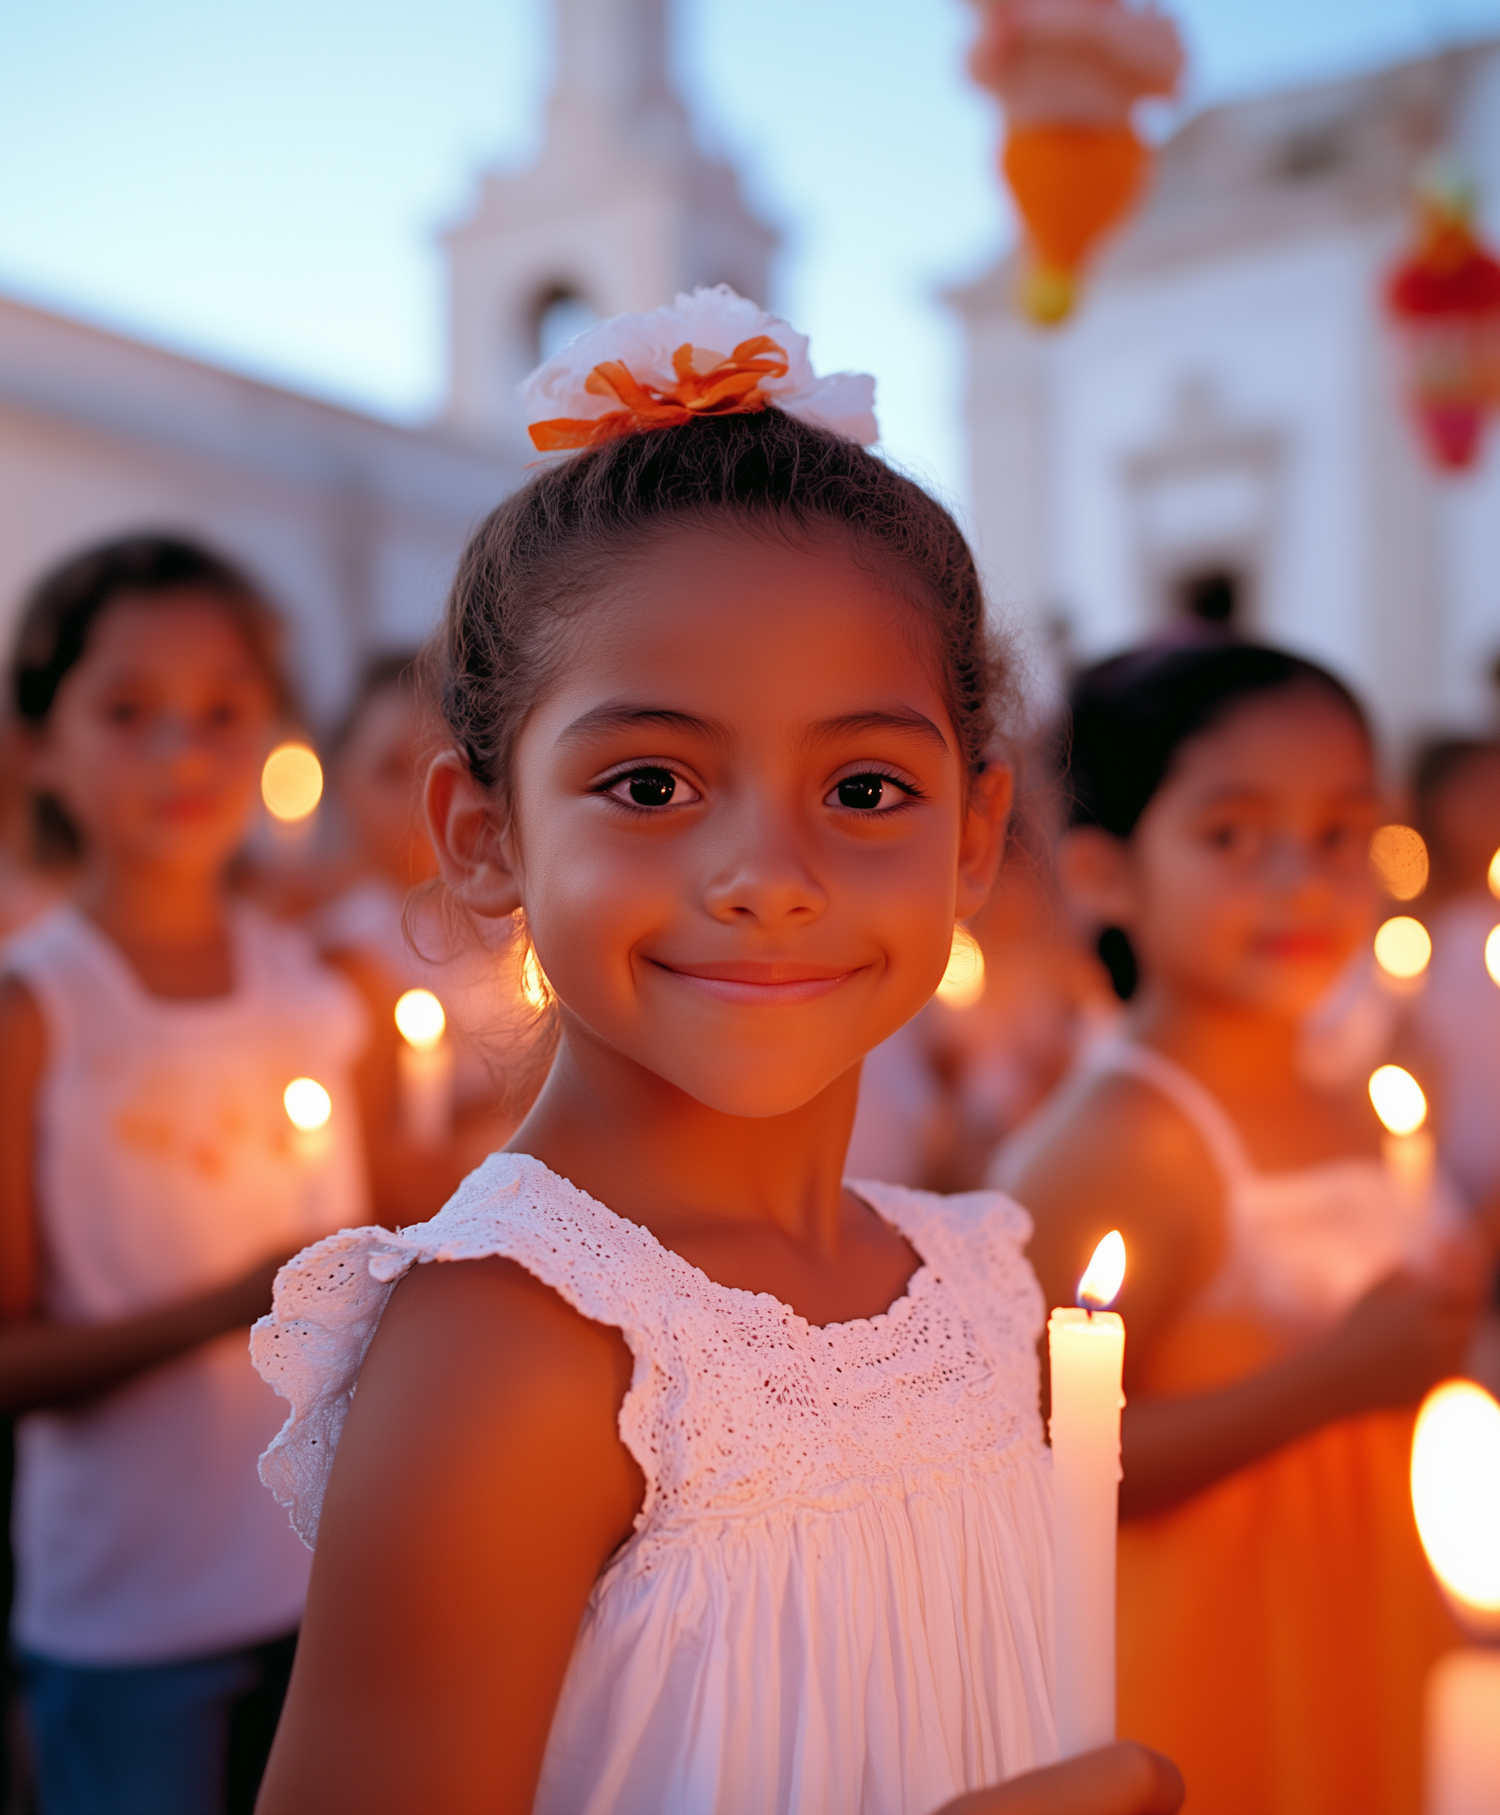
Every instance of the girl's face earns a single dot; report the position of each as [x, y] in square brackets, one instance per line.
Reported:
[156, 736]
[1247, 876]
[741, 831]
[379, 782]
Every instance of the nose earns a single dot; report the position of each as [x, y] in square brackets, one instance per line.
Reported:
[763, 873]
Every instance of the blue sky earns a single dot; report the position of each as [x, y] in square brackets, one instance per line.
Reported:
[262, 183]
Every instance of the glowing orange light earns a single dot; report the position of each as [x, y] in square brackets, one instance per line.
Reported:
[1398, 1099]
[1494, 877]
[1492, 954]
[1399, 859]
[1455, 1494]
[308, 1105]
[291, 783]
[1403, 948]
[963, 980]
[536, 991]
[1105, 1273]
[420, 1019]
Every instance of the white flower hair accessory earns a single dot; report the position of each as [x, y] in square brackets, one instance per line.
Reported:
[709, 354]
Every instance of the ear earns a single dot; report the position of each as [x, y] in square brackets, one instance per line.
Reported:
[1094, 873]
[473, 847]
[982, 842]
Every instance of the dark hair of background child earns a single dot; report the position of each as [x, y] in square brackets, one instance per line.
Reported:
[1128, 719]
[61, 609]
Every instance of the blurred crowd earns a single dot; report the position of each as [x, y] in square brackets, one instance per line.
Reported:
[180, 960]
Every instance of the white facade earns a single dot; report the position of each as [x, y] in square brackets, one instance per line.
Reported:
[1226, 411]
[354, 526]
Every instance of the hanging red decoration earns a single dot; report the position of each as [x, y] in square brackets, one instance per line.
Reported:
[1069, 74]
[1445, 298]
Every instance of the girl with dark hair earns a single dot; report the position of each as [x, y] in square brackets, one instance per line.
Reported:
[150, 1185]
[1289, 1299]
[682, 1476]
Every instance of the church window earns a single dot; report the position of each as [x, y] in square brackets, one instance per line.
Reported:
[562, 313]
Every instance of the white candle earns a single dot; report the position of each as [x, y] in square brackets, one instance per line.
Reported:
[1455, 1489]
[425, 1064]
[1402, 1107]
[1087, 1350]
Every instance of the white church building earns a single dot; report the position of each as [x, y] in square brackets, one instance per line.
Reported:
[1220, 430]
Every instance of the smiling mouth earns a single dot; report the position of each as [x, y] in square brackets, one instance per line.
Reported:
[764, 984]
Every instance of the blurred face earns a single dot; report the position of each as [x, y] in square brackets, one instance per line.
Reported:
[156, 737]
[741, 829]
[1465, 820]
[379, 781]
[1247, 875]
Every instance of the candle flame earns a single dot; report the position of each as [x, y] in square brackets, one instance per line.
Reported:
[1398, 1099]
[1492, 954]
[420, 1019]
[308, 1105]
[291, 783]
[1403, 947]
[963, 980]
[1494, 877]
[1105, 1273]
[1455, 1494]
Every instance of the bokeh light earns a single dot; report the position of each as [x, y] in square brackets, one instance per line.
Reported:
[1492, 955]
[1455, 1491]
[308, 1105]
[1398, 1099]
[291, 783]
[1494, 877]
[1403, 947]
[420, 1019]
[963, 980]
[1105, 1273]
[536, 992]
[1399, 860]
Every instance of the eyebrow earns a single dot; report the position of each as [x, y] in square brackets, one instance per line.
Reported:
[623, 716]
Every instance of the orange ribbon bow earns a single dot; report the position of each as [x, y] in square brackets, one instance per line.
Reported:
[727, 388]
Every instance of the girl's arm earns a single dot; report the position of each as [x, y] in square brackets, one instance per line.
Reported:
[1125, 1159]
[479, 1488]
[42, 1363]
[1123, 1779]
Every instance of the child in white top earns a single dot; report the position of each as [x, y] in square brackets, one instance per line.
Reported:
[150, 1184]
[705, 1481]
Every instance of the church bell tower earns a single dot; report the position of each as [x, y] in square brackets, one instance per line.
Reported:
[620, 211]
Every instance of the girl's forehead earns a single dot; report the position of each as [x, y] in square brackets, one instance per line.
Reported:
[168, 633]
[754, 623]
[1297, 740]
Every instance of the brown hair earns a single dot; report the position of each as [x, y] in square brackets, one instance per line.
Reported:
[535, 559]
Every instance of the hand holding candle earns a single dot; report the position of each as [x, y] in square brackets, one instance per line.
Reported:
[426, 1069]
[1455, 1490]
[1087, 1350]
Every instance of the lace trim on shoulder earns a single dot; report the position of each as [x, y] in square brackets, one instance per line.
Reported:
[329, 1301]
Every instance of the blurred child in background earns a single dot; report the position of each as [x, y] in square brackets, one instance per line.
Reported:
[1288, 1299]
[387, 940]
[150, 1185]
[1456, 1018]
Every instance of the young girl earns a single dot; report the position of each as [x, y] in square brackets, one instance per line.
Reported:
[695, 1480]
[387, 941]
[150, 1184]
[1287, 1298]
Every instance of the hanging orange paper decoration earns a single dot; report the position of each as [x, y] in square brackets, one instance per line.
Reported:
[1069, 73]
[1445, 298]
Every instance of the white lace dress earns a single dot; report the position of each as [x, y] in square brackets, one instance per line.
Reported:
[837, 1595]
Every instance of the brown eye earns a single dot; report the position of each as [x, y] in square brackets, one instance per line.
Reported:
[862, 792]
[652, 787]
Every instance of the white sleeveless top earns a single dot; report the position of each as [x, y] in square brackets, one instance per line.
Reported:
[1306, 1243]
[164, 1167]
[837, 1597]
